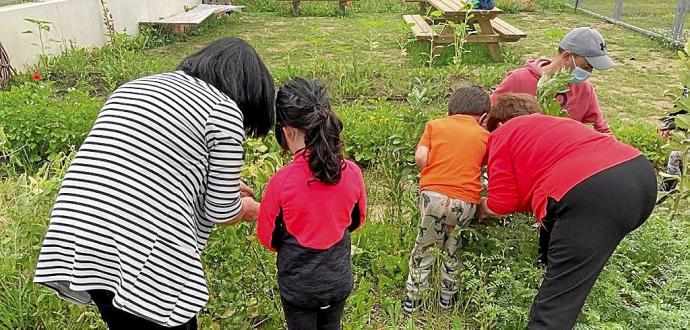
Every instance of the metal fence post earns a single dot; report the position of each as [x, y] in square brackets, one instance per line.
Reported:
[679, 23]
[618, 10]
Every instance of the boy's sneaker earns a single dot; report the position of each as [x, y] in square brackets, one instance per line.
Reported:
[410, 306]
[447, 303]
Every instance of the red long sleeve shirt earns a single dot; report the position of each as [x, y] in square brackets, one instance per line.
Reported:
[534, 157]
[316, 214]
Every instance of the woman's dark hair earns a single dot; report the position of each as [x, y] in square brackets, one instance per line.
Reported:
[471, 101]
[232, 66]
[509, 106]
[303, 104]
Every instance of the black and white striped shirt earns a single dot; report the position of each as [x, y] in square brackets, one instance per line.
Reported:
[160, 167]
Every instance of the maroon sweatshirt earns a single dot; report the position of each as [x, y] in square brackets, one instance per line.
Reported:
[580, 101]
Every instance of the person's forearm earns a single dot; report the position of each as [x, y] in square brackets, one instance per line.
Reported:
[488, 211]
[248, 212]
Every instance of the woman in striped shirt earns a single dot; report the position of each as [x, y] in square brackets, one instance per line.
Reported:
[159, 168]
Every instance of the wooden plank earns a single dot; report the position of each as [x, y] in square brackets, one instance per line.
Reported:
[454, 9]
[505, 29]
[442, 6]
[195, 16]
[222, 9]
[484, 38]
[420, 28]
[454, 5]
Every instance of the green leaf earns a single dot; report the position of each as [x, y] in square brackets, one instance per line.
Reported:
[678, 136]
[28, 31]
[683, 121]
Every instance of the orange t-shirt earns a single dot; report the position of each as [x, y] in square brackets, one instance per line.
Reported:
[457, 152]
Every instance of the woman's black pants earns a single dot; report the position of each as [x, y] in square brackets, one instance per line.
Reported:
[117, 319]
[585, 228]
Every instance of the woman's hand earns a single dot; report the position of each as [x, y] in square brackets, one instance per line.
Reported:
[249, 212]
[483, 211]
[245, 191]
[250, 209]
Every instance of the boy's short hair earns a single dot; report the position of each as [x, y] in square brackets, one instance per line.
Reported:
[509, 106]
[471, 101]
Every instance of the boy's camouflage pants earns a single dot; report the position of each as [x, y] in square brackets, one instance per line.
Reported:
[675, 163]
[441, 216]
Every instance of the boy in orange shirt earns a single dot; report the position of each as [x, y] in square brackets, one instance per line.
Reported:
[450, 155]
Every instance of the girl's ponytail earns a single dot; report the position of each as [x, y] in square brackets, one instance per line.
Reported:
[303, 104]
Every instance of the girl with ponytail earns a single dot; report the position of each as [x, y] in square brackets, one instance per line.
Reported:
[310, 207]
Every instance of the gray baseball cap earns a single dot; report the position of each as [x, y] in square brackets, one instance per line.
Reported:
[588, 42]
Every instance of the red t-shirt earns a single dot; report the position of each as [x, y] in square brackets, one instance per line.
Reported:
[316, 214]
[534, 157]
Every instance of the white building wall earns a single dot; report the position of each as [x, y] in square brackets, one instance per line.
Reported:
[77, 21]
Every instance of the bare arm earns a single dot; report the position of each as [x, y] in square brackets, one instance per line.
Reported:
[421, 156]
[249, 212]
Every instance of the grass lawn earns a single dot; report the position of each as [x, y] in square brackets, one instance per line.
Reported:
[384, 92]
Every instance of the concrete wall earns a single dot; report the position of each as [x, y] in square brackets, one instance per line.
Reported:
[74, 21]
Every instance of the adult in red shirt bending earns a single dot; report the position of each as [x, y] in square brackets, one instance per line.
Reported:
[586, 188]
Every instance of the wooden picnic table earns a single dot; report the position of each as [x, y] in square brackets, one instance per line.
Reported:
[492, 30]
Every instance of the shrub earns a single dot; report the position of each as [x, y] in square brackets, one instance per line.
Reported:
[38, 123]
[643, 137]
[515, 6]
[552, 4]
[372, 129]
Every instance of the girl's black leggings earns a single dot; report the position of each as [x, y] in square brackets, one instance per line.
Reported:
[585, 228]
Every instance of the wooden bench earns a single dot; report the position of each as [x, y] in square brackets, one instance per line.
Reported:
[341, 5]
[507, 32]
[183, 22]
[422, 30]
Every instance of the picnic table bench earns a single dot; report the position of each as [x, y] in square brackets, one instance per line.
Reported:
[183, 22]
[341, 5]
[492, 30]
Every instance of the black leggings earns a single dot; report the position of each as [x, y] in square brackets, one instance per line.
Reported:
[117, 319]
[325, 318]
[585, 228]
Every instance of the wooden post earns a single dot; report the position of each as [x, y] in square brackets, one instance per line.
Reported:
[295, 7]
[487, 29]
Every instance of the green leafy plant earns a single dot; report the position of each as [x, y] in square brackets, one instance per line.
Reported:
[41, 28]
[679, 140]
[642, 136]
[460, 32]
[547, 91]
[38, 124]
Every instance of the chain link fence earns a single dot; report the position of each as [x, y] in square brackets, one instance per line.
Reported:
[662, 19]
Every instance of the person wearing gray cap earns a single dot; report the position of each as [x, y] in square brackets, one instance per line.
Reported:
[581, 51]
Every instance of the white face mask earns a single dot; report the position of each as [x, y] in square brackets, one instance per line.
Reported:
[579, 74]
